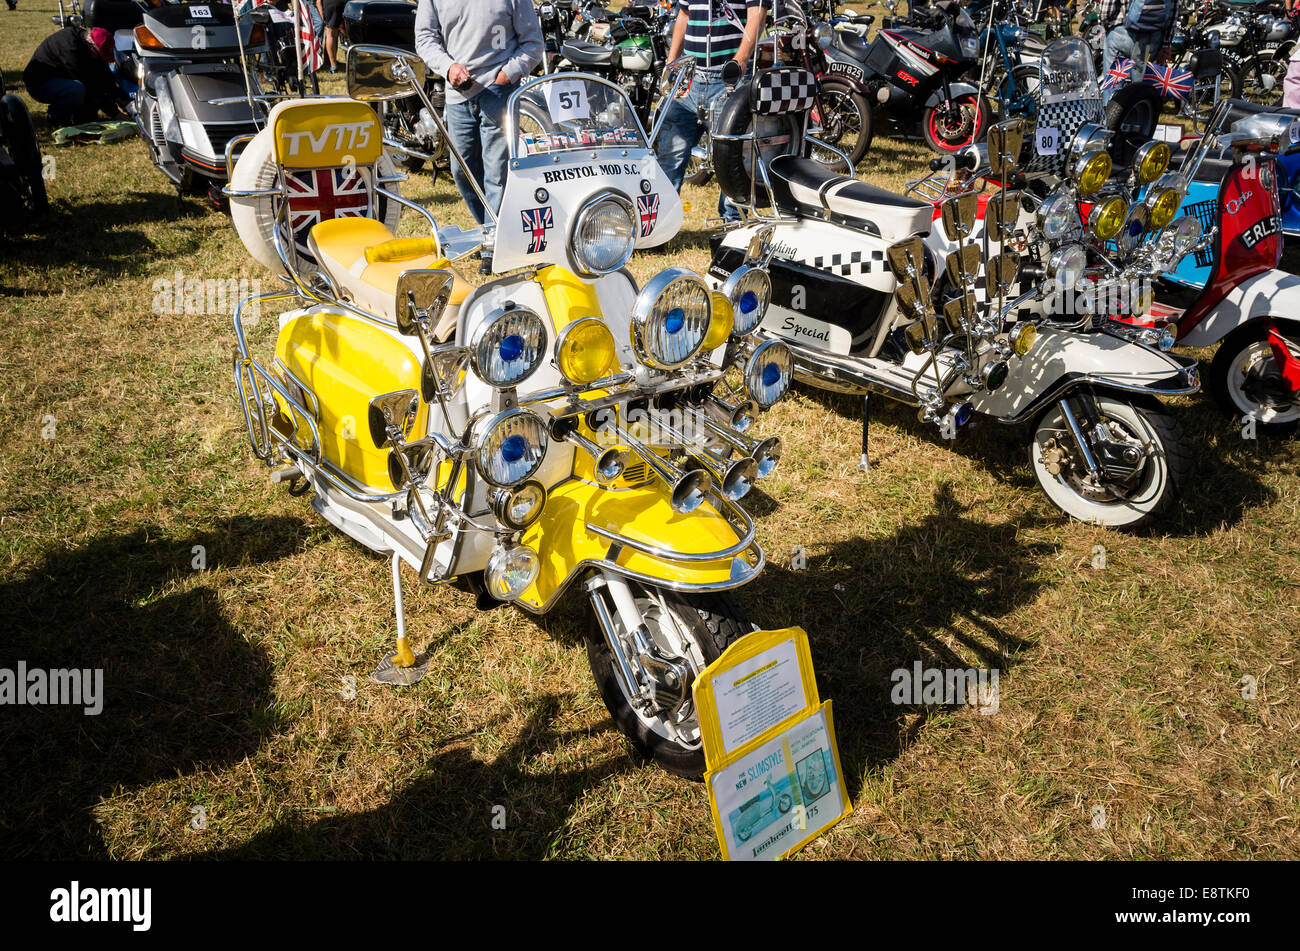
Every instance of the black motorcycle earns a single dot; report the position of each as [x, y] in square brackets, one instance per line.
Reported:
[22, 182]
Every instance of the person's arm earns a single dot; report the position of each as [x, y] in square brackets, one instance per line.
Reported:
[754, 17]
[429, 42]
[531, 48]
[679, 35]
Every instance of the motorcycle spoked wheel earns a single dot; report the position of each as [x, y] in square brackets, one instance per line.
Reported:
[713, 622]
[1142, 422]
[1246, 381]
[1261, 80]
[955, 124]
[698, 171]
[845, 121]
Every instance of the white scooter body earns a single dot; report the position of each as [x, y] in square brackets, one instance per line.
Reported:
[1273, 294]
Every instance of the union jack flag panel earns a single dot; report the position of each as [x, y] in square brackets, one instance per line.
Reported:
[648, 207]
[1118, 74]
[1169, 81]
[537, 221]
[319, 194]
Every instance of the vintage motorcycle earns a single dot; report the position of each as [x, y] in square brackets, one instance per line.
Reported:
[943, 302]
[555, 428]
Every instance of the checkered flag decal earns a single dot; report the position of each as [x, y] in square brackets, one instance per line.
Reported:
[846, 265]
[1067, 118]
[784, 90]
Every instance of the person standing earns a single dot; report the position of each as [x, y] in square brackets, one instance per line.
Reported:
[331, 12]
[483, 49]
[69, 73]
[1139, 36]
[712, 32]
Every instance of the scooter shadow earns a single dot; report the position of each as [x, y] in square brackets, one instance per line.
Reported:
[941, 591]
[182, 688]
[1222, 486]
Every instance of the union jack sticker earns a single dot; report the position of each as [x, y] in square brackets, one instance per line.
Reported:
[648, 207]
[537, 221]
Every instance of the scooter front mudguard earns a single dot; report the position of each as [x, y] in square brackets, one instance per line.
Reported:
[1062, 360]
[1272, 294]
[635, 533]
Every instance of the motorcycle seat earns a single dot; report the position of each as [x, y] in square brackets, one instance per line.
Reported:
[583, 53]
[340, 244]
[803, 186]
[846, 41]
[1240, 109]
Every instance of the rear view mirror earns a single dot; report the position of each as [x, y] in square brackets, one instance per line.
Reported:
[1006, 139]
[378, 73]
[391, 416]
[959, 216]
[1002, 214]
[422, 295]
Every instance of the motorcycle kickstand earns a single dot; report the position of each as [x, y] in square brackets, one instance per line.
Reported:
[400, 667]
[865, 462]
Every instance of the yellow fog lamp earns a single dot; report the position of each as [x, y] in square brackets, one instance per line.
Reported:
[721, 324]
[510, 572]
[1092, 171]
[1163, 201]
[1022, 340]
[1151, 161]
[1107, 218]
[585, 351]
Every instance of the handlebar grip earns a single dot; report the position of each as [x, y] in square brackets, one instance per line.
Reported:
[964, 160]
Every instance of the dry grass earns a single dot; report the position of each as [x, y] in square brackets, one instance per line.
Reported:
[226, 687]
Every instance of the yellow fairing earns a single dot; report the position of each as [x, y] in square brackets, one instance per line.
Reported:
[562, 540]
[316, 134]
[568, 296]
[345, 362]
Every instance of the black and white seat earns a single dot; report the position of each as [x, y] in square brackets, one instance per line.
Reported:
[802, 186]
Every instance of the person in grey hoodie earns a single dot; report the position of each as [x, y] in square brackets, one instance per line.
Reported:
[483, 48]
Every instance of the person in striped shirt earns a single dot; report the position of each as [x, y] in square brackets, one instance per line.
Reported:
[713, 32]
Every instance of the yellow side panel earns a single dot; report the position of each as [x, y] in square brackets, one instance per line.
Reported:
[561, 538]
[346, 362]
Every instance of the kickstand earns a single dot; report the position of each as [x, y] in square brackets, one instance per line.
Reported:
[401, 666]
[865, 462]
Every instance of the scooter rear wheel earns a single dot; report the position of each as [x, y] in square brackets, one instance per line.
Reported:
[1245, 380]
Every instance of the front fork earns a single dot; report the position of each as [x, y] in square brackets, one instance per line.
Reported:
[1106, 460]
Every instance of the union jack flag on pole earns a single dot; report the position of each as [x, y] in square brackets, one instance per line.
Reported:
[1118, 74]
[1169, 81]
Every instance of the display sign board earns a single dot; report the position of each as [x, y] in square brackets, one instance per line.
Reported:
[772, 766]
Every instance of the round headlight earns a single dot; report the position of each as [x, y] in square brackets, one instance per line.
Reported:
[1135, 227]
[510, 446]
[1151, 161]
[1065, 266]
[671, 318]
[519, 507]
[1185, 233]
[510, 571]
[1023, 339]
[508, 347]
[720, 325]
[1092, 171]
[1106, 220]
[769, 372]
[584, 351]
[603, 235]
[1058, 216]
[1163, 201]
[1168, 337]
[750, 291]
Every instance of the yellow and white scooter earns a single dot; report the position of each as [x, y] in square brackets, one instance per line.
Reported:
[555, 427]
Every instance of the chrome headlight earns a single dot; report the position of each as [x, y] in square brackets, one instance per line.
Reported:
[1065, 266]
[670, 318]
[1135, 228]
[1058, 216]
[1151, 161]
[768, 373]
[508, 347]
[510, 572]
[750, 291]
[1185, 233]
[519, 507]
[1090, 137]
[603, 234]
[510, 446]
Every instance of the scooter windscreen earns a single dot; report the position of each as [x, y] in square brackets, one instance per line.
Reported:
[1068, 98]
[584, 188]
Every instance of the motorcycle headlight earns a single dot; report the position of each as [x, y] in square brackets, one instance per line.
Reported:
[1065, 265]
[1022, 341]
[519, 507]
[768, 373]
[750, 291]
[1058, 216]
[1184, 234]
[509, 446]
[508, 347]
[1151, 161]
[584, 351]
[1162, 202]
[1106, 220]
[510, 571]
[1092, 171]
[1135, 227]
[670, 318]
[721, 325]
[603, 235]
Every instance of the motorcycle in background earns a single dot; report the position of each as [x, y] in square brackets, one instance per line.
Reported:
[22, 180]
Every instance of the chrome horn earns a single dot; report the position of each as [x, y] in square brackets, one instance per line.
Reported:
[609, 463]
[688, 488]
[739, 416]
[735, 477]
[766, 453]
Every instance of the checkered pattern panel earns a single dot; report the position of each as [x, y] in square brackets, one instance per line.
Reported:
[784, 90]
[846, 265]
[1067, 118]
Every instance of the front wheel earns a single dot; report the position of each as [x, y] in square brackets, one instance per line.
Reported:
[695, 627]
[1246, 381]
[955, 123]
[1142, 429]
[1261, 80]
[846, 122]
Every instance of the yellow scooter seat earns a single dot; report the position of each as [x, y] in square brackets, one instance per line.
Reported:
[340, 245]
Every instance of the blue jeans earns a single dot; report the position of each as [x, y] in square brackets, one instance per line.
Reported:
[66, 99]
[681, 132]
[478, 130]
[1137, 46]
